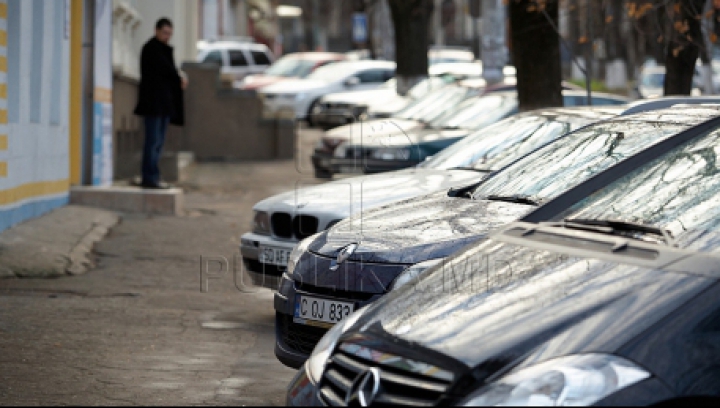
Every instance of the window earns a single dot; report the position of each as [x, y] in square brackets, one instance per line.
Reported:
[214, 57]
[260, 58]
[372, 76]
[237, 58]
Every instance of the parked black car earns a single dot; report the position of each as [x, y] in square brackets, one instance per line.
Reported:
[615, 301]
[363, 257]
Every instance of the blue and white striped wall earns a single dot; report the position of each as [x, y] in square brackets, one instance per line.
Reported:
[34, 96]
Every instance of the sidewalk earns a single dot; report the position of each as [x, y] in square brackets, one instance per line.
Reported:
[56, 244]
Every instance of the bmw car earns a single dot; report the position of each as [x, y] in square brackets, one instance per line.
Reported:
[362, 258]
[284, 219]
[608, 299]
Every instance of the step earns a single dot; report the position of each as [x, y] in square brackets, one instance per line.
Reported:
[129, 199]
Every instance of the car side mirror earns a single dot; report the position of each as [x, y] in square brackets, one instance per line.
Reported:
[352, 81]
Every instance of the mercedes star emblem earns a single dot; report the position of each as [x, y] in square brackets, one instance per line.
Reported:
[364, 389]
[343, 255]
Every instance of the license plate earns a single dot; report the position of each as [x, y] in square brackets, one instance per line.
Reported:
[321, 312]
[274, 256]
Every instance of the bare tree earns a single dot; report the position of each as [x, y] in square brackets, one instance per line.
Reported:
[536, 52]
[411, 19]
[684, 46]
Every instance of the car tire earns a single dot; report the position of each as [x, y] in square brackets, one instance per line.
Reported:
[309, 112]
[323, 174]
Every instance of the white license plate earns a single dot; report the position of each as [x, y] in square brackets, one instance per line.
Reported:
[274, 256]
[321, 312]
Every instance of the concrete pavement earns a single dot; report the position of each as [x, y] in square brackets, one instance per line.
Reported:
[137, 329]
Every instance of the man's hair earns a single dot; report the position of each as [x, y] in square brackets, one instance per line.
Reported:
[162, 23]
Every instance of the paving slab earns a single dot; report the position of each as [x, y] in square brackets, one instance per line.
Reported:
[56, 244]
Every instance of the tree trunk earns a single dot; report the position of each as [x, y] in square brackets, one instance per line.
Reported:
[684, 47]
[536, 53]
[411, 19]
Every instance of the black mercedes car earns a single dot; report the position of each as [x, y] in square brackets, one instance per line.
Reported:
[369, 254]
[613, 299]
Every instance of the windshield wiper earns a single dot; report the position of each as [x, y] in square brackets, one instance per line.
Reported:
[470, 169]
[618, 227]
[513, 199]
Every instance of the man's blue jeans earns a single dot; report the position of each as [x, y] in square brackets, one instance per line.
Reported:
[155, 128]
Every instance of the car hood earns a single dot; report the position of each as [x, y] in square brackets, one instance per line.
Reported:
[358, 97]
[338, 199]
[527, 305]
[261, 80]
[291, 86]
[360, 130]
[418, 229]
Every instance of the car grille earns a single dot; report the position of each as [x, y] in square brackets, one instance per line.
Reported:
[299, 337]
[402, 381]
[286, 226]
[334, 293]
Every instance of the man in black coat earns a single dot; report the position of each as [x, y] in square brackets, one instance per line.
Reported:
[160, 99]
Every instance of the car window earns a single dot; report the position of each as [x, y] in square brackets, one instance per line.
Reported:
[436, 103]
[260, 58]
[214, 57]
[426, 85]
[237, 58]
[369, 76]
[478, 112]
[512, 137]
[559, 166]
[291, 67]
[678, 192]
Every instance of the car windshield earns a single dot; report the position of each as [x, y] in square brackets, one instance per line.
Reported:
[559, 166]
[435, 103]
[477, 112]
[331, 72]
[291, 67]
[488, 149]
[678, 192]
[425, 86]
[653, 80]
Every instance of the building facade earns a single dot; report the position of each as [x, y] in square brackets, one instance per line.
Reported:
[34, 117]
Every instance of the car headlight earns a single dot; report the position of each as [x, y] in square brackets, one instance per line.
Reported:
[340, 151]
[391, 153]
[297, 252]
[261, 223]
[413, 271]
[572, 380]
[315, 364]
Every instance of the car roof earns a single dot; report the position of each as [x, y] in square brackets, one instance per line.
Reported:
[668, 101]
[689, 115]
[588, 112]
[575, 92]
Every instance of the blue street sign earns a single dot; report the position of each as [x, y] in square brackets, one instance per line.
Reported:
[360, 28]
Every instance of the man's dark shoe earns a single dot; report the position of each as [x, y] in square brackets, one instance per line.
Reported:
[159, 186]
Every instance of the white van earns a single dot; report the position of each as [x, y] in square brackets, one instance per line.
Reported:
[237, 59]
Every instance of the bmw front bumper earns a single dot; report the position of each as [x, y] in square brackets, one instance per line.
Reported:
[262, 274]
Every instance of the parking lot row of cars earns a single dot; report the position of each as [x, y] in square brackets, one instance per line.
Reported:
[564, 256]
